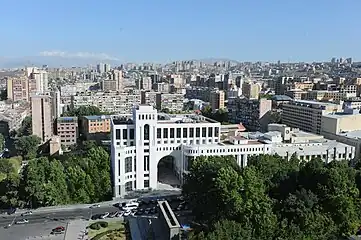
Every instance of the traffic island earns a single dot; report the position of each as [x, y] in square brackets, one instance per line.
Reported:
[104, 230]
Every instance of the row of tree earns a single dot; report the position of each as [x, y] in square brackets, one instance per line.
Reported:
[74, 178]
[273, 198]
[220, 115]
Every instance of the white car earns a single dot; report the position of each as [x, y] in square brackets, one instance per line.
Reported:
[95, 206]
[105, 215]
[127, 213]
[22, 221]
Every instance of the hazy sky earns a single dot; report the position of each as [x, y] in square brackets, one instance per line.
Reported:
[165, 30]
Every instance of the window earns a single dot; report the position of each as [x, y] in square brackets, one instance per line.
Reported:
[117, 134]
[125, 134]
[204, 132]
[185, 132]
[179, 133]
[118, 167]
[198, 132]
[128, 186]
[191, 132]
[159, 133]
[165, 132]
[216, 132]
[210, 131]
[146, 132]
[146, 183]
[171, 132]
[128, 164]
[146, 163]
[131, 133]
[135, 164]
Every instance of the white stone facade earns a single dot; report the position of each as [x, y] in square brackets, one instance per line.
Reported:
[141, 140]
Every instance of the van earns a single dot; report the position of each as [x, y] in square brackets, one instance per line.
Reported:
[130, 206]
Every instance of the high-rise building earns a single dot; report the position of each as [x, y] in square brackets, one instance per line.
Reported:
[216, 99]
[307, 115]
[56, 104]
[251, 90]
[38, 80]
[18, 88]
[41, 113]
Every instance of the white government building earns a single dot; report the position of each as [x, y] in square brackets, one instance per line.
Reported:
[141, 140]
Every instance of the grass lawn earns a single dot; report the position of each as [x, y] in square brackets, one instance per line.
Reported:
[15, 161]
[118, 232]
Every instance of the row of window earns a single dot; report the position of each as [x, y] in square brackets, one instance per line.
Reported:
[231, 150]
[128, 164]
[129, 186]
[193, 132]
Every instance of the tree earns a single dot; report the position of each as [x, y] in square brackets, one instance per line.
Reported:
[226, 229]
[220, 115]
[83, 111]
[213, 187]
[218, 190]
[3, 95]
[6, 167]
[2, 142]
[27, 146]
[26, 127]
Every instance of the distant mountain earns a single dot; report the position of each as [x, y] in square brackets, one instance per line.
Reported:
[51, 61]
[213, 60]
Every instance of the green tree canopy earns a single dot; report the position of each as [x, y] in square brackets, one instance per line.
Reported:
[273, 198]
[26, 127]
[27, 146]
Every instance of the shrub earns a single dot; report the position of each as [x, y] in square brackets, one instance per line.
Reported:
[100, 235]
[95, 226]
[103, 224]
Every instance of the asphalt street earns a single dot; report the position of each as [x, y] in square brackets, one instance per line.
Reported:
[60, 217]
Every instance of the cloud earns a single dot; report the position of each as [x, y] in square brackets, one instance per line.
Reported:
[84, 55]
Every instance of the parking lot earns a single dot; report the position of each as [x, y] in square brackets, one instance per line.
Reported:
[31, 232]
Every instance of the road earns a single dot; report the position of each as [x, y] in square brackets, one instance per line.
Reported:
[61, 217]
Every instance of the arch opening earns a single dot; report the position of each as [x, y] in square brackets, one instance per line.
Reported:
[167, 178]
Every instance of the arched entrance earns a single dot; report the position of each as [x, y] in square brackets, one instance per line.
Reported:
[166, 173]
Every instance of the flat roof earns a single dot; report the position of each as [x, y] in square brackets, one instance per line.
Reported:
[315, 102]
[340, 115]
[97, 117]
[311, 148]
[351, 134]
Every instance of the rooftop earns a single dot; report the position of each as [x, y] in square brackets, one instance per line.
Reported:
[97, 117]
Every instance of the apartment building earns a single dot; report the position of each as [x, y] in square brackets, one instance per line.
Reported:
[41, 113]
[96, 127]
[141, 142]
[251, 90]
[171, 101]
[307, 115]
[216, 99]
[322, 95]
[111, 102]
[67, 130]
[252, 113]
[11, 117]
[18, 88]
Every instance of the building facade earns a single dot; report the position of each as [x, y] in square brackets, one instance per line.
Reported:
[307, 115]
[41, 113]
[67, 130]
[142, 140]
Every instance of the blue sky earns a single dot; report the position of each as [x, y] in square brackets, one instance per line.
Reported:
[166, 30]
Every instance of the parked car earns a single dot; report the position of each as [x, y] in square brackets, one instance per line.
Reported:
[22, 221]
[26, 213]
[58, 230]
[105, 215]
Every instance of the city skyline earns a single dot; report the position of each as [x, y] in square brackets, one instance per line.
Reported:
[160, 31]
